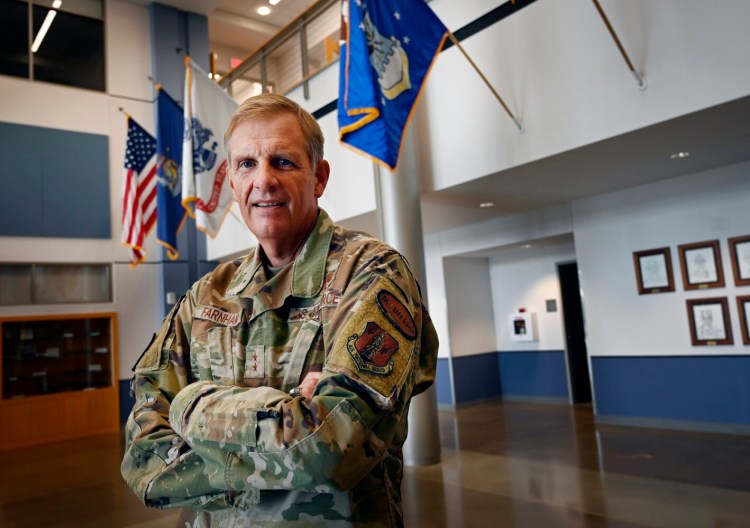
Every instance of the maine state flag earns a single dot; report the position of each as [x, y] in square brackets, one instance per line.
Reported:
[388, 47]
[170, 213]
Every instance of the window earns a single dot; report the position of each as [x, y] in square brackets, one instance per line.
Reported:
[14, 40]
[55, 283]
[66, 45]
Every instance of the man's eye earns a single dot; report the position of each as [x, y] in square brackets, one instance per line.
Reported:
[284, 163]
[246, 164]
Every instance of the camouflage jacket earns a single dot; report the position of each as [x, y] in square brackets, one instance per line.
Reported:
[214, 427]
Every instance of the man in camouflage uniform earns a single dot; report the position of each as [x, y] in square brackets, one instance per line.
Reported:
[277, 390]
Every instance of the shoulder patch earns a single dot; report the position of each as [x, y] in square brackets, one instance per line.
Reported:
[397, 314]
[374, 345]
[372, 350]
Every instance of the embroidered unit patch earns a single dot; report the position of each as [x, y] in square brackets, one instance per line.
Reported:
[397, 314]
[370, 347]
[372, 350]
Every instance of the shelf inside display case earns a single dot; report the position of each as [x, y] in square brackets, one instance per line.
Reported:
[49, 364]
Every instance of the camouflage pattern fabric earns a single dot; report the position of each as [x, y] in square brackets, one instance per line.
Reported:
[214, 428]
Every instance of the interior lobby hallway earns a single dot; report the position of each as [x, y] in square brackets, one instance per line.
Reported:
[503, 465]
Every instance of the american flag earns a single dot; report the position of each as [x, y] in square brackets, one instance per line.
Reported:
[139, 190]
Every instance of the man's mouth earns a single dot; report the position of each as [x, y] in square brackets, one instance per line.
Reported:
[268, 204]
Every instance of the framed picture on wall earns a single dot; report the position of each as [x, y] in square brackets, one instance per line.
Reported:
[653, 270]
[709, 321]
[701, 265]
[743, 306]
[739, 249]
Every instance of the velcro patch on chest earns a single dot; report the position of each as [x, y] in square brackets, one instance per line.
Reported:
[376, 344]
[216, 315]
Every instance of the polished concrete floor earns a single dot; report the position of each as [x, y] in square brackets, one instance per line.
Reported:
[503, 465]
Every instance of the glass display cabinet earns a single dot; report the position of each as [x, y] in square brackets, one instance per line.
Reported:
[59, 378]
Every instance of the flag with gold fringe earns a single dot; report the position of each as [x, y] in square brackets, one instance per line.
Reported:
[170, 213]
[205, 186]
[387, 50]
[138, 190]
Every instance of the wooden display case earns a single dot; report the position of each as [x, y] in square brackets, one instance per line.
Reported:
[58, 378]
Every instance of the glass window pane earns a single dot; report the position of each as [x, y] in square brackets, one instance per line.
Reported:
[284, 66]
[15, 284]
[248, 85]
[323, 33]
[72, 283]
[14, 38]
[87, 8]
[72, 50]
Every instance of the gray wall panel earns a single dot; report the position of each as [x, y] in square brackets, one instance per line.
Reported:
[55, 183]
[21, 181]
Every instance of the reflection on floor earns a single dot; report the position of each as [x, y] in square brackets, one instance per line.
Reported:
[509, 465]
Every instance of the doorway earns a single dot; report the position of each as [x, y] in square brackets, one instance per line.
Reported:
[575, 334]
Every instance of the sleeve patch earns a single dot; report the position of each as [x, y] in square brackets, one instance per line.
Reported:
[397, 314]
[372, 350]
[374, 346]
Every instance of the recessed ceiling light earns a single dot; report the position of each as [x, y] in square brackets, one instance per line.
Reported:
[526, 246]
[486, 204]
[679, 155]
[274, 2]
[264, 11]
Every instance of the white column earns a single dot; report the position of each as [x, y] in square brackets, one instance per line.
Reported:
[400, 218]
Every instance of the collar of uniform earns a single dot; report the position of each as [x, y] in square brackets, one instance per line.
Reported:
[247, 270]
[309, 266]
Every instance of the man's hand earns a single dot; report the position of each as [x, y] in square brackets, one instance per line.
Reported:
[308, 384]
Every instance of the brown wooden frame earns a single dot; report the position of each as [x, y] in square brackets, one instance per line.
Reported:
[686, 265]
[735, 258]
[695, 336]
[744, 319]
[666, 254]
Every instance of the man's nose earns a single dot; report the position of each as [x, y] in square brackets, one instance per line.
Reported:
[265, 177]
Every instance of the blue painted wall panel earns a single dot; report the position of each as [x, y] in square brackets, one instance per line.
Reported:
[55, 183]
[21, 181]
[197, 39]
[702, 389]
[475, 378]
[443, 382]
[169, 46]
[538, 374]
[126, 400]
[75, 198]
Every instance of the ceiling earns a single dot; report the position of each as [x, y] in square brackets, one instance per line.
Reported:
[236, 23]
[714, 137]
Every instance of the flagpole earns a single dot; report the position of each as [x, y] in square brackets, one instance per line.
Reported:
[453, 39]
[638, 77]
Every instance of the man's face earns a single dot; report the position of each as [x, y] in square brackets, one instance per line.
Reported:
[273, 180]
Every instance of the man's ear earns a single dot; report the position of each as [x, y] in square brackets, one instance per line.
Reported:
[322, 172]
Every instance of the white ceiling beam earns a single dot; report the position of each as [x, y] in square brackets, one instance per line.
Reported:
[243, 22]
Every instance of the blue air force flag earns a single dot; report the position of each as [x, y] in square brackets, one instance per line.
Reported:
[387, 50]
[169, 208]
[205, 177]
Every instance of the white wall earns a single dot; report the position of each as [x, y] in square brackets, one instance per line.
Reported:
[609, 228]
[483, 236]
[48, 105]
[559, 71]
[527, 279]
[470, 314]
